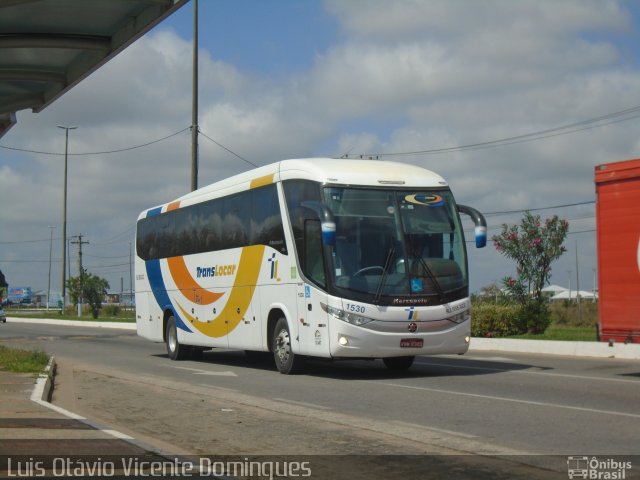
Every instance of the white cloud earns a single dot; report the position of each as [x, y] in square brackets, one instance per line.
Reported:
[403, 76]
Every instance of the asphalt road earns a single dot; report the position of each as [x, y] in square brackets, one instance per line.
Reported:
[524, 408]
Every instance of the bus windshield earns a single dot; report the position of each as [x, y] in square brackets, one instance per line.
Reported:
[397, 247]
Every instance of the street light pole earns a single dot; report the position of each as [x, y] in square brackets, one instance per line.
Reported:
[64, 212]
[50, 249]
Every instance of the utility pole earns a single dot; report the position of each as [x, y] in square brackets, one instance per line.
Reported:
[578, 287]
[194, 102]
[79, 242]
[130, 274]
[64, 209]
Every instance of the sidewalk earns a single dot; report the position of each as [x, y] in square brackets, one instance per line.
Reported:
[39, 439]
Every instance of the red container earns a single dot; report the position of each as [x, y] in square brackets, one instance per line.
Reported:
[618, 223]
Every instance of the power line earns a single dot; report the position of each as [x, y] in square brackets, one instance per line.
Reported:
[228, 150]
[113, 240]
[26, 241]
[588, 202]
[600, 121]
[126, 149]
[100, 256]
[30, 261]
[94, 267]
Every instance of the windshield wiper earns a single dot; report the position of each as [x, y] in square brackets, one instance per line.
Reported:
[429, 272]
[383, 277]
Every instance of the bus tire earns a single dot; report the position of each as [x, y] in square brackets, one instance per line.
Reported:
[174, 349]
[398, 363]
[287, 362]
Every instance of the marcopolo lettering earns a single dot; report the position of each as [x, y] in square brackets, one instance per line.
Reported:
[215, 271]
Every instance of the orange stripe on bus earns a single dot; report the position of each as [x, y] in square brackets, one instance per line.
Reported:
[239, 298]
[187, 285]
[173, 206]
[262, 181]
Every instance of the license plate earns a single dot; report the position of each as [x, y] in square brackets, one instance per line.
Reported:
[411, 343]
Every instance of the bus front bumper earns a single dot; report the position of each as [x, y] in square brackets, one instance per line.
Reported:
[351, 341]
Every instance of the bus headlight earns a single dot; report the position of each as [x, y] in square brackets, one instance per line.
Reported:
[348, 317]
[460, 317]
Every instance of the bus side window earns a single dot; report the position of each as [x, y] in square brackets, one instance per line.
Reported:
[266, 219]
[313, 265]
[236, 221]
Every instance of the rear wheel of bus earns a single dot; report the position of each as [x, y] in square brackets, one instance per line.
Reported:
[174, 349]
[287, 362]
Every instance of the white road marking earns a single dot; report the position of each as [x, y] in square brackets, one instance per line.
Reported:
[512, 400]
[434, 429]
[303, 404]
[117, 434]
[197, 371]
[529, 372]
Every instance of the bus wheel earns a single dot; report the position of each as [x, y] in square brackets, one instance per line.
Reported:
[286, 361]
[398, 363]
[174, 349]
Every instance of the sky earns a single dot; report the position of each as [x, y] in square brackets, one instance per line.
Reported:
[450, 80]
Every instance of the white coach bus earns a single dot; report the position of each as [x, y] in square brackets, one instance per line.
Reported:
[309, 258]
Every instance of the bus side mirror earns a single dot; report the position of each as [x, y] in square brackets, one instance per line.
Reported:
[480, 223]
[327, 222]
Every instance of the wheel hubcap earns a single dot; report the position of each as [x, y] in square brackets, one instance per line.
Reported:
[173, 339]
[283, 346]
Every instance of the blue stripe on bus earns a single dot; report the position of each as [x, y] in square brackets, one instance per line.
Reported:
[159, 289]
[154, 211]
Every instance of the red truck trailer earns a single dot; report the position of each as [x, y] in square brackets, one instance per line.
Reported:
[618, 224]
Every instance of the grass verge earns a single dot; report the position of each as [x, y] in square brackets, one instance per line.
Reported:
[563, 332]
[22, 361]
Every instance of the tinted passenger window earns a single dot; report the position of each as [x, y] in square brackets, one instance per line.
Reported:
[266, 221]
[248, 218]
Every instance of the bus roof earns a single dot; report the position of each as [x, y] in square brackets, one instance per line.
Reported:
[324, 170]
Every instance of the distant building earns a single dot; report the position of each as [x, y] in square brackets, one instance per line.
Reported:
[39, 298]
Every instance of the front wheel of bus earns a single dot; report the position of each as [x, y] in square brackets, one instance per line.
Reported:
[398, 363]
[286, 361]
[174, 349]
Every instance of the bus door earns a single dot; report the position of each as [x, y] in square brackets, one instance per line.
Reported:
[313, 321]
[313, 326]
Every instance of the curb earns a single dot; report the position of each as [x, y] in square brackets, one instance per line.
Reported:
[41, 395]
[558, 347]
[74, 323]
[43, 389]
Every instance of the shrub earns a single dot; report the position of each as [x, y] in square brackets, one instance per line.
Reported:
[111, 310]
[497, 320]
[534, 246]
[567, 313]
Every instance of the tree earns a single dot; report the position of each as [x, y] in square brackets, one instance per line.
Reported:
[94, 289]
[491, 291]
[534, 247]
[3, 286]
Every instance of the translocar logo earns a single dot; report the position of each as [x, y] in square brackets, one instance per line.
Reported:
[216, 271]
